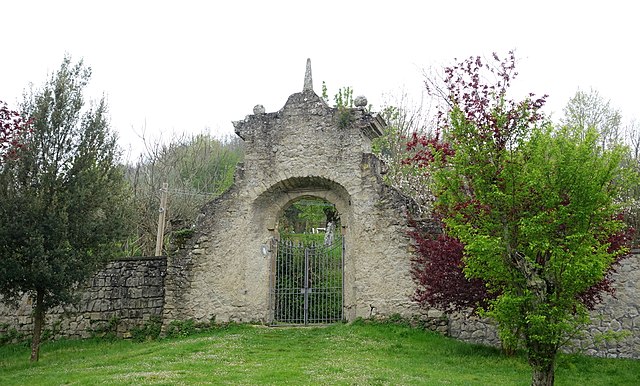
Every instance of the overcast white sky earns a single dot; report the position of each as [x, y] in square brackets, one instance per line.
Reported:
[192, 66]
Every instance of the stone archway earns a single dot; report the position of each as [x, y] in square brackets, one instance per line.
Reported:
[300, 300]
[302, 150]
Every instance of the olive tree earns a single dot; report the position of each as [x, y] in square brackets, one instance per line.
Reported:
[61, 198]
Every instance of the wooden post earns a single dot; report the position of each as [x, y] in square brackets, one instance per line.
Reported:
[161, 217]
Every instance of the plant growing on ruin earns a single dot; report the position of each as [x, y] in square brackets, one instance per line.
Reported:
[344, 104]
[149, 330]
[343, 101]
[61, 198]
[533, 207]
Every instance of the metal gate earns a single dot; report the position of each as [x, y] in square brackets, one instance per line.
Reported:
[306, 282]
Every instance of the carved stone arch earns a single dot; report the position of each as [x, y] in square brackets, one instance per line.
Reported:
[274, 200]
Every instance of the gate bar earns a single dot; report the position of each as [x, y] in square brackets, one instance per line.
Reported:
[306, 286]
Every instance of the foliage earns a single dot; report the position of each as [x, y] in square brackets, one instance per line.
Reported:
[106, 331]
[310, 214]
[303, 238]
[591, 110]
[181, 236]
[354, 354]
[12, 127]
[405, 119]
[393, 319]
[533, 206]
[631, 201]
[183, 328]
[419, 322]
[178, 328]
[10, 335]
[306, 216]
[437, 269]
[617, 243]
[343, 101]
[197, 169]
[62, 197]
[325, 95]
[343, 98]
[149, 330]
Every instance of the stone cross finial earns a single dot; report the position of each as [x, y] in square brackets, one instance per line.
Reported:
[308, 82]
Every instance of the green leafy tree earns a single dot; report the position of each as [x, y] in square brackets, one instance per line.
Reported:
[592, 110]
[533, 206]
[61, 198]
[311, 213]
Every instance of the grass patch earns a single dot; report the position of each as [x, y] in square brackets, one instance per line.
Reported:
[360, 354]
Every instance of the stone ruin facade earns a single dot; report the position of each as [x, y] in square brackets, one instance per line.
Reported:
[306, 149]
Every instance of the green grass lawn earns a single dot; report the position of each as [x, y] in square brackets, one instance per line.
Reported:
[357, 354]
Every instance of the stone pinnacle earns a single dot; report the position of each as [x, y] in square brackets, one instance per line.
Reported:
[308, 82]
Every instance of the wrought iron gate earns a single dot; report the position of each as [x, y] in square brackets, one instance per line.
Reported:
[306, 282]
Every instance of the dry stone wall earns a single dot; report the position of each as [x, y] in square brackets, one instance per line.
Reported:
[619, 314]
[126, 293]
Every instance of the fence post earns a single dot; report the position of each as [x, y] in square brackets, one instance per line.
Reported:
[162, 211]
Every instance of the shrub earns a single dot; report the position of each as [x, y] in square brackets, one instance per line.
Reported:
[149, 330]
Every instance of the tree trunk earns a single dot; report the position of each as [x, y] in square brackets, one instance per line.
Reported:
[543, 376]
[38, 323]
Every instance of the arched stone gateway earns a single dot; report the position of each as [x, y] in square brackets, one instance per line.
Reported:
[306, 149]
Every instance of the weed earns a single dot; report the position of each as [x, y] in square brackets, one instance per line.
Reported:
[106, 331]
[149, 330]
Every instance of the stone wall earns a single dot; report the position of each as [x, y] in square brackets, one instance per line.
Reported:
[128, 292]
[619, 314]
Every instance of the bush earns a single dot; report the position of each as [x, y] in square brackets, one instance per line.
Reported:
[10, 335]
[149, 330]
[106, 331]
[183, 328]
